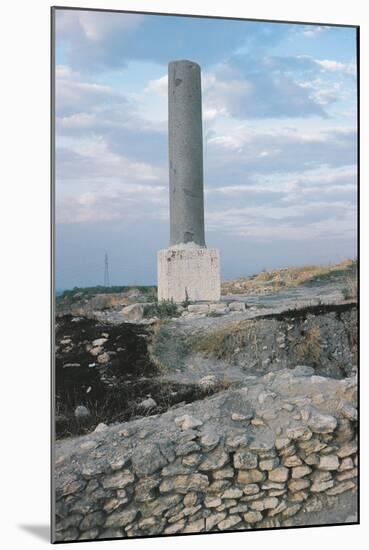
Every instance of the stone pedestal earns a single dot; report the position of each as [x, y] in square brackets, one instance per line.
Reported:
[191, 273]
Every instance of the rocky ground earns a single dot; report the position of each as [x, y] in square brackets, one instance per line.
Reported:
[258, 368]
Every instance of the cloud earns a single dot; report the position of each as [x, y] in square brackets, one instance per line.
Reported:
[91, 38]
[324, 219]
[158, 86]
[302, 206]
[97, 41]
[95, 161]
[244, 151]
[74, 95]
[94, 26]
[230, 92]
[127, 203]
[86, 110]
[311, 31]
[330, 65]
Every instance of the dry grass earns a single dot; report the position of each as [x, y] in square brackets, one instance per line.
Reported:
[268, 281]
[221, 343]
[350, 290]
[225, 383]
[309, 349]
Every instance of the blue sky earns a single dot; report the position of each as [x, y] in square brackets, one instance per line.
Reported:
[279, 122]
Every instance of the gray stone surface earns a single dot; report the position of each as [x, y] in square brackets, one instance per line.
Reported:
[185, 153]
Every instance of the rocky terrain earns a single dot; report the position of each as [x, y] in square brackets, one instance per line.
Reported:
[207, 417]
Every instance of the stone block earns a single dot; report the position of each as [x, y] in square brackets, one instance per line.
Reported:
[237, 306]
[191, 273]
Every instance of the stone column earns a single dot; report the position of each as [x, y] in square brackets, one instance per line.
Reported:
[186, 188]
[187, 270]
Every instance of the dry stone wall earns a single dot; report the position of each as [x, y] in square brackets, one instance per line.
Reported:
[247, 458]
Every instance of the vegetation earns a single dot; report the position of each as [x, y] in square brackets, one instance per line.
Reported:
[349, 292]
[86, 292]
[308, 349]
[221, 343]
[186, 302]
[163, 309]
[272, 281]
[168, 347]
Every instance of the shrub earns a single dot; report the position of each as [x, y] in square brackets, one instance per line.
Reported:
[162, 310]
[349, 292]
[222, 342]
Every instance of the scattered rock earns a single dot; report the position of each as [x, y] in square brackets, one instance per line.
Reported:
[134, 312]
[208, 382]
[99, 342]
[198, 308]
[147, 404]
[81, 412]
[100, 427]
[237, 306]
[187, 422]
[218, 308]
[303, 370]
[103, 358]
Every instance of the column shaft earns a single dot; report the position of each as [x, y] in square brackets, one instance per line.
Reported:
[186, 186]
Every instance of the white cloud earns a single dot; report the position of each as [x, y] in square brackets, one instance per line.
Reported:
[123, 201]
[74, 95]
[93, 26]
[313, 31]
[330, 65]
[93, 159]
[158, 86]
[263, 223]
[227, 141]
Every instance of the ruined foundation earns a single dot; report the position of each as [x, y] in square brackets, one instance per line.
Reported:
[188, 274]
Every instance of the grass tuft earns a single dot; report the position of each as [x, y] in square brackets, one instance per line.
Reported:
[163, 310]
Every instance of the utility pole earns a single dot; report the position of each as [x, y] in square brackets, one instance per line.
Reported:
[106, 271]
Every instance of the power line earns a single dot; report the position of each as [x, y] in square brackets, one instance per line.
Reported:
[106, 271]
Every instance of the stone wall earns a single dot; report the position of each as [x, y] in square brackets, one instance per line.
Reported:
[254, 457]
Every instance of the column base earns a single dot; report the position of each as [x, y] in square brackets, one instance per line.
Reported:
[189, 274]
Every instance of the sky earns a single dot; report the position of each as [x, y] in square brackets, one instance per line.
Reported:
[279, 137]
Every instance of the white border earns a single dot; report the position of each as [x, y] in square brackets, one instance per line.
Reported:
[25, 221]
